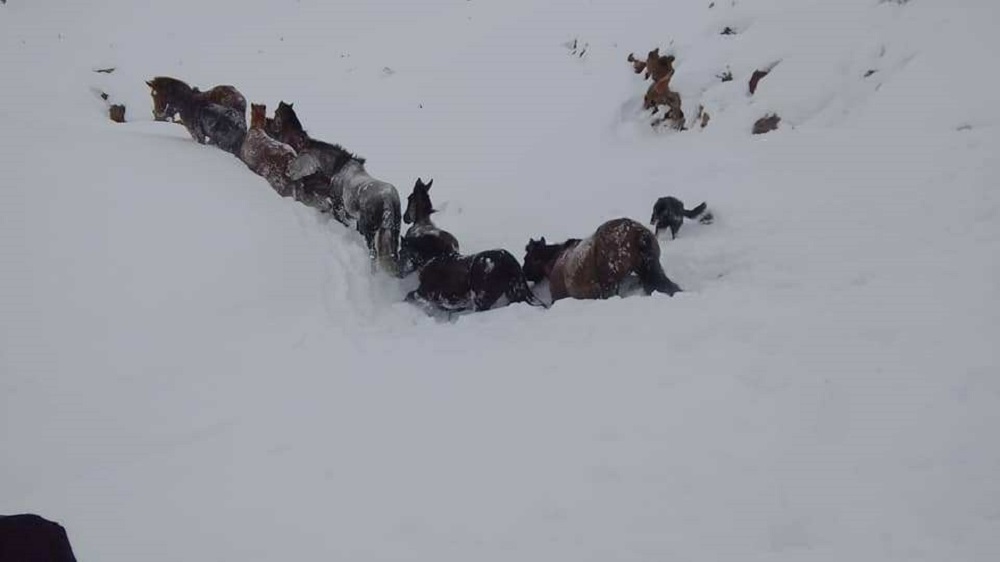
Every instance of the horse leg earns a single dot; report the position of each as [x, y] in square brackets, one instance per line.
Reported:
[518, 291]
[653, 278]
[485, 298]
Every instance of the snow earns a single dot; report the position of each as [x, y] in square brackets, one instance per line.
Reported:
[192, 367]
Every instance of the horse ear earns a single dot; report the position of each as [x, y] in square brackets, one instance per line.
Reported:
[428, 184]
[541, 241]
[149, 83]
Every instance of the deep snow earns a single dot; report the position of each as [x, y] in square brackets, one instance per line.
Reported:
[194, 368]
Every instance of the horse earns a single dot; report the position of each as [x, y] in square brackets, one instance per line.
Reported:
[669, 212]
[165, 91]
[596, 267]
[659, 66]
[324, 158]
[205, 120]
[267, 157]
[454, 282]
[318, 161]
[374, 206]
[423, 241]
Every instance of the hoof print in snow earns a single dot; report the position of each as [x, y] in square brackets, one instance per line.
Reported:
[870, 72]
[727, 31]
[386, 71]
[766, 124]
[105, 70]
[755, 79]
[117, 113]
[726, 76]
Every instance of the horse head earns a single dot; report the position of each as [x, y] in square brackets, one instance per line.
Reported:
[418, 204]
[285, 119]
[538, 258]
[258, 116]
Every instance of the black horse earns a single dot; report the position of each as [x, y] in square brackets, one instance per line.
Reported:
[423, 241]
[669, 212]
[454, 282]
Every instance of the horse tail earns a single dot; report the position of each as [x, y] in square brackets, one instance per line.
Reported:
[387, 241]
[518, 290]
[530, 297]
[650, 271]
[693, 213]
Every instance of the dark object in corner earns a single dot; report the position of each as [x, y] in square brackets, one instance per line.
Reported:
[31, 538]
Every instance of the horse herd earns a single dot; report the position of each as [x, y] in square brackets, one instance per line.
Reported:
[332, 180]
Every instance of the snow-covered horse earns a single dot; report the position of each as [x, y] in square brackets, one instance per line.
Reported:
[454, 282]
[374, 205]
[318, 160]
[423, 241]
[217, 116]
[267, 157]
[595, 267]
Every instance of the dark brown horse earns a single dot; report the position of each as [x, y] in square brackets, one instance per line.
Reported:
[454, 282]
[325, 158]
[205, 120]
[595, 268]
[267, 157]
[165, 91]
[423, 241]
[318, 161]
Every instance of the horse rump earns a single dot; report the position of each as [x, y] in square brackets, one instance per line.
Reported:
[497, 273]
[222, 126]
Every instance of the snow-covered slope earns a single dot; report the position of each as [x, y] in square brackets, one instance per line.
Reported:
[193, 368]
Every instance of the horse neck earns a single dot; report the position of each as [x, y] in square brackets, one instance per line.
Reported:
[296, 139]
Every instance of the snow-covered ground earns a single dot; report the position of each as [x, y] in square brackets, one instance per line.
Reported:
[192, 368]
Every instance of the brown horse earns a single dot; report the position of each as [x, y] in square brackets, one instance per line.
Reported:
[205, 120]
[267, 157]
[595, 268]
[166, 90]
[423, 241]
[660, 94]
[659, 67]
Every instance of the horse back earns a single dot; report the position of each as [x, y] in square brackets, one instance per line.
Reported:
[227, 96]
[596, 266]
